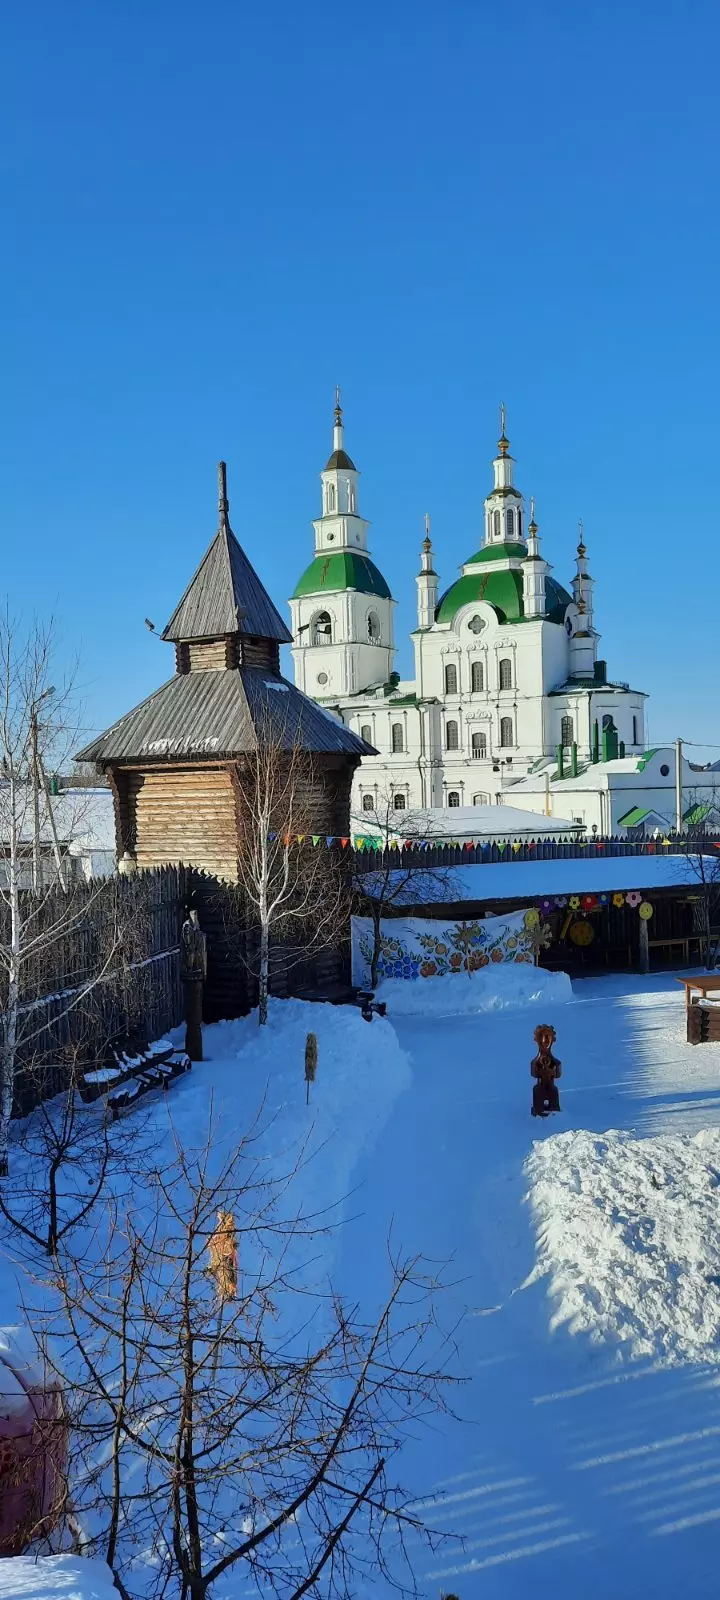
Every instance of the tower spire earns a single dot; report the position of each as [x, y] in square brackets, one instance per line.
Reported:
[223, 506]
[338, 428]
[503, 441]
[427, 582]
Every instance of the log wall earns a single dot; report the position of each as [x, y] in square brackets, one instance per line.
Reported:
[178, 814]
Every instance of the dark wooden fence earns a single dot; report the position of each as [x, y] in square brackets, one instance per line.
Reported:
[429, 853]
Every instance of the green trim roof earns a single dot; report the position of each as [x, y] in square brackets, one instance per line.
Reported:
[633, 818]
[344, 569]
[503, 591]
[643, 759]
[499, 552]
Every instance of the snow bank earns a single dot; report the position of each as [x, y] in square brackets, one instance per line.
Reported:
[55, 1578]
[628, 1237]
[504, 987]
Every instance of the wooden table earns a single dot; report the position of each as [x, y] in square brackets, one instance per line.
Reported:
[703, 1022]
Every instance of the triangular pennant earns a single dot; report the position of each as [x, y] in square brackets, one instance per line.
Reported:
[516, 846]
[316, 838]
[272, 836]
[286, 838]
[330, 839]
[360, 843]
[344, 843]
[468, 844]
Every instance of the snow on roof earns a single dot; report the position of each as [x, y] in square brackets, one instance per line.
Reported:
[84, 818]
[517, 880]
[470, 822]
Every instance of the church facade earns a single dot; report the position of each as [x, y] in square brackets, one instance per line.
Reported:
[507, 679]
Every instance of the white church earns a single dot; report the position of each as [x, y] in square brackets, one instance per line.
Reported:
[507, 677]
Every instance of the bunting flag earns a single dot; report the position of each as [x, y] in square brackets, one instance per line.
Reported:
[286, 838]
[344, 843]
[359, 842]
[516, 846]
[501, 844]
[316, 839]
[300, 838]
[394, 844]
[468, 844]
[272, 836]
[330, 840]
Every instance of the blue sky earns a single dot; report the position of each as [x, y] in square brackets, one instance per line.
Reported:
[214, 213]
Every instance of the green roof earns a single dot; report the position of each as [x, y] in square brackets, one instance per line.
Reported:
[643, 759]
[504, 591]
[344, 569]
[696, 814]
[633, 818]
[498, 552]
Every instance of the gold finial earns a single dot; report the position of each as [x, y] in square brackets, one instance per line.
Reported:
[222, 493]
[532, 525]
[427, 545]
[338, 407]
[503, 442]
[581, 546]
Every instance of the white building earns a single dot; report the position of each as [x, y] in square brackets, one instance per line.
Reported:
[506, 659]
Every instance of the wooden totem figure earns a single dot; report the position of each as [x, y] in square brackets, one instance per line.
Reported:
[545, 1068]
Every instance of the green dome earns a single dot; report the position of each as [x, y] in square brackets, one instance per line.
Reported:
[503, 590]
[344, 569]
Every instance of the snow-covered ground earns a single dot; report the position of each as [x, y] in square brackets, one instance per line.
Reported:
[586, 1453]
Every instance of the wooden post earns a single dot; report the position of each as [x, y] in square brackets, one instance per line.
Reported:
[193, 971]
[644, 946]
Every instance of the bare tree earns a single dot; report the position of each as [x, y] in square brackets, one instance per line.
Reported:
[703, 854]
[294, 889]
[228, 1411]
[393, 882]
[42, 902]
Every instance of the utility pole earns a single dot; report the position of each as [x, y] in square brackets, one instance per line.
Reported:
[678, 786]
[36, 797]
[548, 807]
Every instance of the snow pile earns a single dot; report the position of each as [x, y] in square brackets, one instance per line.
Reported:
[504, 987]
[55, 1578]
[628, 1236]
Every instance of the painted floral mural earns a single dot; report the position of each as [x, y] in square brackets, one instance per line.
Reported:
[412, 948]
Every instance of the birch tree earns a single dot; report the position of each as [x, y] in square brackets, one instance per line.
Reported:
[38, 904]
[294, 888]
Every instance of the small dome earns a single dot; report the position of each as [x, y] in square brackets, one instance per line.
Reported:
[345, 569]
[340, 458]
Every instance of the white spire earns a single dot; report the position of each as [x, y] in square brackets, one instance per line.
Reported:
[534, 572]
[427, 582]
[338, 428]
[504, 504]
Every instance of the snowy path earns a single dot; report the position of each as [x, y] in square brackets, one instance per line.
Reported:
[573, 1472]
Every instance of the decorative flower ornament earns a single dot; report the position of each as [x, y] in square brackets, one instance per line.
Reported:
[561, 901]
[546, 906]
[532, 917]
[633, 898]
[589, 900]
[603, 899]
[618, 900]
[574, 902]
[645, 910]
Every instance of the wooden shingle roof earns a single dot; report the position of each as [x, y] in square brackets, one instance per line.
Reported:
[201, 715]
[225, 595]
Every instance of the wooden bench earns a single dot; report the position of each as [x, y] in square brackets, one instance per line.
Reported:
[130, 1074]
[702, 1021]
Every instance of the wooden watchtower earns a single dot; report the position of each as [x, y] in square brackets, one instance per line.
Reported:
[173, 761]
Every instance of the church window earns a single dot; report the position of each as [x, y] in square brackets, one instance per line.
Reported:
[350, 498]
[368, 803]
[322, 628]
[506, 673]
[519, 517]
[451, 678]
[510, 523]
[480, 799]
[497, 526]
[476, 624]
[373, 628]
[477, 677]
[567, 732]
[322, 677]
[452, 740]
[635, 731]
[399, 802]
[453, 798]
[366, 733]
[479, 746]
[331, 497]
[506, 732]
[397, 737]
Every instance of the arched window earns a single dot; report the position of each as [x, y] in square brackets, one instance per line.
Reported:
[451, 678]
[366, 733]
[567, 732]
[480, 799]
[477, 677]
[331, 497]
[519, 517]
[510, 523]
[635, 730]
[479, 746]
[397, 737]
[497, 524]
[399, 802]
[373, 628]
[452, 740]
[506, 732]
[322, 628]
[453, 798]
[368, 804]
[506, 673]
[350, 499]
